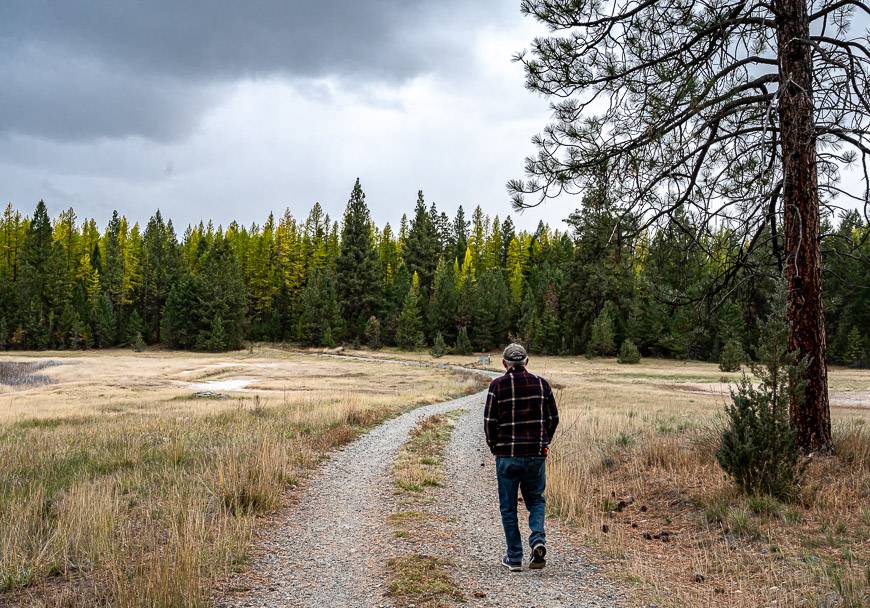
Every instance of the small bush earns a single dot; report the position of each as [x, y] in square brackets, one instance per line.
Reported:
[628, 353]
[463, 344]
[732, 356]
[373, 333]
[138, 343]
[758, 448]
[763, 505]
[439, 348]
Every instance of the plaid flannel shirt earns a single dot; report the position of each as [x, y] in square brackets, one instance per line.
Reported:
[520, 416]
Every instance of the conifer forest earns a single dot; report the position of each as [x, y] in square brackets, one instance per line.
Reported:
[464, 283]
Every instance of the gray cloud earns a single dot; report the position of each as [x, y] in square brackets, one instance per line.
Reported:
[114, 68]
[82, 98]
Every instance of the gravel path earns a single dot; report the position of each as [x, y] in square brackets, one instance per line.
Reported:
[470, 502]
[330, 550]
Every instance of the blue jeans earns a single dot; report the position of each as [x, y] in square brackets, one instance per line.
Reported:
[529, 475]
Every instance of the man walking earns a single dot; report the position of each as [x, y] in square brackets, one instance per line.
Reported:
[520, 418]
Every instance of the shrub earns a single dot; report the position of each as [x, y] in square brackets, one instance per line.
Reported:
[439, 348]
[732, 356]
[463, 344]
[758, 448]
[628, 353]
[138, 343]
[373, 333]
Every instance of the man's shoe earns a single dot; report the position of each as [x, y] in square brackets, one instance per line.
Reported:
[512, 566]
[537, 562]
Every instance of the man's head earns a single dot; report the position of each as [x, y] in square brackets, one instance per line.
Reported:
[514, 356]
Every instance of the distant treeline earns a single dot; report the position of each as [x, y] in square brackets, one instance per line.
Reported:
[467, 283]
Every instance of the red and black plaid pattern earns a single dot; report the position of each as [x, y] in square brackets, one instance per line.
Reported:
[520, 416]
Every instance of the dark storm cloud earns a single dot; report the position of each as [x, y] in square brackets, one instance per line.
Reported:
[112, 68]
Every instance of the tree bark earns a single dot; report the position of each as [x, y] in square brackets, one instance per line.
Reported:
[810, 417]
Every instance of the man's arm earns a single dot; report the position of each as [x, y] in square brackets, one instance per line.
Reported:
[490, 422]
[551, 415]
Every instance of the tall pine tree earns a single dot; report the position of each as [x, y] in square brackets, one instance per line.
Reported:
[357, 268]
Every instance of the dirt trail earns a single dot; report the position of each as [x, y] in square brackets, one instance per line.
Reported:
[331, 548]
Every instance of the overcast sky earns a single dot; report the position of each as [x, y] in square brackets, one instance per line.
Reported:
[227, 110]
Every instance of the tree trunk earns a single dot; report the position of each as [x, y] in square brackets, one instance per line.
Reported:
[811, 418]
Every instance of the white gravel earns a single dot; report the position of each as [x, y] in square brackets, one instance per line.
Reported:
[331, 548]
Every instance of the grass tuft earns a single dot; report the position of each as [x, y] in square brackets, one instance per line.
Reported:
[419, 580]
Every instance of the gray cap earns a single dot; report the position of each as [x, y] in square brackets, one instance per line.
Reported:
[515, 353]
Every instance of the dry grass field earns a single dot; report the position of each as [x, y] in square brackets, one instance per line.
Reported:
[633, 468]
[132, 479]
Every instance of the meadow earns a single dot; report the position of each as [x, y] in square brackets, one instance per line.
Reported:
[136, 479]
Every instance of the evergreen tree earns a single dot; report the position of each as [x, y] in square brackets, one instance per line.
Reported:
[422, 247]
[394, 302]
[103, 321]
[373, 333]
[442, 308]
[263, 280]
[357, 267]
[178, 323]
[79, 335]
[547, 286]
[160, 266]
[600, 265]
[220, 292]
[699, 72]
[759, 448]
[439, 347]
[732, 356]
[601, 342]
[440, 228]
[38, 278]
[36, 331]
[319, 319]
[409, 328]
[215, 340]
[460, 234]
[113, 273]
[508, 234]
[490, 313]
[548, 338]
[388, 255]
[855, 349]
[515, 263]
[479, 228]
[134, 328]
[463, 344]
[628, 352]
[309, 328]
